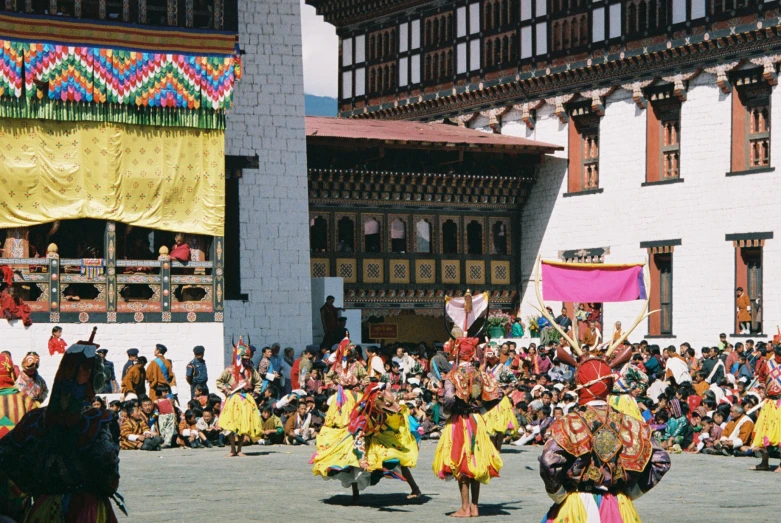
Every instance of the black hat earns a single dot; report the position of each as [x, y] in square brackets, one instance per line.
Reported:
[161, 348]
[132, 352]
[198, 349]
[313, 349]
[341, 318]
[102, 351]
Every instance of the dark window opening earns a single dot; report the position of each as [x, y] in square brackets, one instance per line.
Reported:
[449, 237]
[345, 235]
[318, 234]
[474, 237]
[500, 238]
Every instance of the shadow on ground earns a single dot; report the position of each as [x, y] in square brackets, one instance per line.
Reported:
[396, 502]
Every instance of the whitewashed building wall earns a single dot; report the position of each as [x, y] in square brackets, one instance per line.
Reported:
[700, 211]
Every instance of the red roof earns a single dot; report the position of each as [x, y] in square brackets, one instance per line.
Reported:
[406, 131]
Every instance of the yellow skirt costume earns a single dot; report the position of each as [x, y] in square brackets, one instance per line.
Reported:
[240, 415]
[500, 418]
[585, 507]
[342, 404]
[393, 443]
[626, 404]
[465, 450]
[767, 431]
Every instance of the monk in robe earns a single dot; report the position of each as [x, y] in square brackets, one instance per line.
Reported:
[159, 371]
[181, 250]
[135, 379]
[743, 303]
[13, 308]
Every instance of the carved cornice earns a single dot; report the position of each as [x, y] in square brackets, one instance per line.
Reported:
[636, 88]
[722, 80]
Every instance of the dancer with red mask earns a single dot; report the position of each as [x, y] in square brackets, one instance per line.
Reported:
[598, 459]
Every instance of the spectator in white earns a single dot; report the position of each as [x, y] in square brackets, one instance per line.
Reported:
[399, 357]
[374, 363]
[676, 368]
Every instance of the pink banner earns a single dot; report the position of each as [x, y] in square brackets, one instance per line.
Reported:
[592, 282]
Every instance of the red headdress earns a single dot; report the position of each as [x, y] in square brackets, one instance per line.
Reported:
[595, 380]
[7, 275]
[463, 349]
[342, 351]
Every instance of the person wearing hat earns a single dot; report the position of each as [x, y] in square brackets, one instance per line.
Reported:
[160, 371]
[108, 368]
[767, 431]
[134, 381]
[196, 370]
[132, 357]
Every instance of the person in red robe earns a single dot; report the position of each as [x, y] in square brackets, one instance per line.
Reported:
[12, 306]
[180, 250]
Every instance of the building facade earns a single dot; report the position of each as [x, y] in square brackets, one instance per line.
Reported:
[127, 124]
[664, 109]
[407, 213]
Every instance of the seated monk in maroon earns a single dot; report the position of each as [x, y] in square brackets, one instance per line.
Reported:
[180, 250]
[12, 306]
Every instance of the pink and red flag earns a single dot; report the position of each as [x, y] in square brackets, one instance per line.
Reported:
[592, 282]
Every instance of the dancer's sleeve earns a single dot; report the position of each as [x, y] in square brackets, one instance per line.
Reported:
[449, 399]
[553, 470]
[657, 467]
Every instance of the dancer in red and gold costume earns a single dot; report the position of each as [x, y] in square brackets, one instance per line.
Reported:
[465, 450]
[599, 459]
[767, 431]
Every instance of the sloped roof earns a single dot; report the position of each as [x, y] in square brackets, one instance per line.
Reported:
[412, 132]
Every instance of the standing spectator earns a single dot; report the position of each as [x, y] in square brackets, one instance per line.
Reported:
[266, 369]
[563, 320]
[108, 369]
[375, 366]
[328, 316]
[160, 371]
[134, 380]
[132, 357]
[196, 370]
[517, 329]
[56, 344]
[743, 303]
[286, 366]
[302, 367]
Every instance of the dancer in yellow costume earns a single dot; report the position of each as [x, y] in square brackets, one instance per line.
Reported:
[767, 431]
[334, 458]
[465, 450]
[240, 413]
[631, 382]
[498, 414]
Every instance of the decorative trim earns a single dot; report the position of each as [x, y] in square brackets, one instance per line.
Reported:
[660, 243]
[582, 193]
[751, 171]
[662, 182]
[748, 236]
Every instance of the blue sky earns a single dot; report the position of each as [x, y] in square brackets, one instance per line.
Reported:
[320, 51]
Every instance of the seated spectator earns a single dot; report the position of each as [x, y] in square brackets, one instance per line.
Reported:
[297, 427]
[314, 384]
[201, 393]
[207, 425]
[678, 433]
[189, 435]
[707, 438]
[273, 431]
[135, 432]
[736, 433]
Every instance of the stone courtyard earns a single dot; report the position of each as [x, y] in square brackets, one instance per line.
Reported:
[276, 484]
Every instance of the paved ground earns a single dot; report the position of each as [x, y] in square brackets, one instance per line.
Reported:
[276, 484]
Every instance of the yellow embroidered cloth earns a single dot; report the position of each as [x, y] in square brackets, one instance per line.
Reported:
[169, 179]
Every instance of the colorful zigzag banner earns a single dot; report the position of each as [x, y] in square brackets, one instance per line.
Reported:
[103, 75]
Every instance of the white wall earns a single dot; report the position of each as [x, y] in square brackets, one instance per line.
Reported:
[699, 211]
[118, 338]
[268, 120]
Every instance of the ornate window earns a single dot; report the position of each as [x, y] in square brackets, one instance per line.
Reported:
[372, 241]
[398, 230]
[449, 237]
[750, 122]
[423, 241]
[499, 237]
[345, 235]
[474, 237]
[318, 234]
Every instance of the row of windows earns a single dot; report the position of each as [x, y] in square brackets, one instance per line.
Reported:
[200, 14]
[398, 239]
[750, 146]
[531, 28]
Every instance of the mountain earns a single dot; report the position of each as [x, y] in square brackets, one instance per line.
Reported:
[319, 105]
